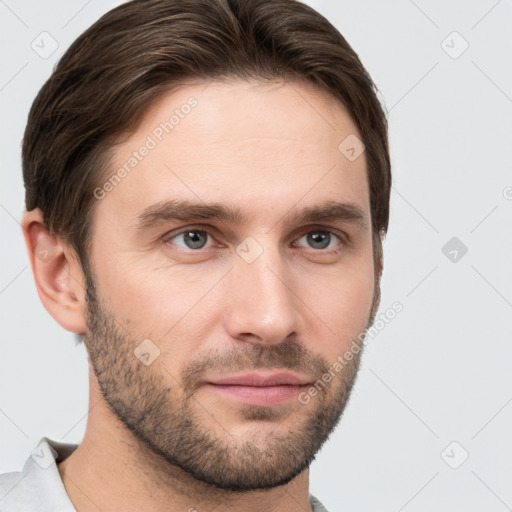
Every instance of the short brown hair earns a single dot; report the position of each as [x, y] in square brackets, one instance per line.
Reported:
[117, 68]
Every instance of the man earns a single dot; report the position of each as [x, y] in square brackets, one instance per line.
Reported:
[207, 189]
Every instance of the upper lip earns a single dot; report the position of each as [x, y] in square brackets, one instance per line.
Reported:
[262, 379]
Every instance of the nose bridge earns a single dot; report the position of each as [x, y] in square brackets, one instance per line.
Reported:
[263, 303]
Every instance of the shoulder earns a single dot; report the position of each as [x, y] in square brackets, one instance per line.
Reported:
[38, 486]
[16, 492]
[316, 504]
[8, 483]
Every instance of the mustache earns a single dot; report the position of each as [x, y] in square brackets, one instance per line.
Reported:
[289, 355]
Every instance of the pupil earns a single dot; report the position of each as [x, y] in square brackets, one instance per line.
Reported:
[321, 237]
[192, 238]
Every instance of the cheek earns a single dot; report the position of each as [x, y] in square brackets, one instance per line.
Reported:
[341, 307]
[154, 302]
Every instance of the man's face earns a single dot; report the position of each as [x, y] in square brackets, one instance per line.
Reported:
[183, 302]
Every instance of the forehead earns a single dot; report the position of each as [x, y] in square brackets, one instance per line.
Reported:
[243, 143]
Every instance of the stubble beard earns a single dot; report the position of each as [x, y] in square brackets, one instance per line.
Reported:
[173, 427]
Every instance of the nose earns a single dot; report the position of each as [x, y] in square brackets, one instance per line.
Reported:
[263, 305]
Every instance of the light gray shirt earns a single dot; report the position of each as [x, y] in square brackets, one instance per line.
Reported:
[38, 487]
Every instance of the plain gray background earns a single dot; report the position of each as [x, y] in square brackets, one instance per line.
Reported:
[435, 385]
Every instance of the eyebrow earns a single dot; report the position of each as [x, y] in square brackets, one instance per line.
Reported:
[186, 210]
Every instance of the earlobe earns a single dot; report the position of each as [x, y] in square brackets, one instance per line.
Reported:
[57, 273]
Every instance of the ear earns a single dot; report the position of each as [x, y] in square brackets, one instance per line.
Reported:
[57, 272]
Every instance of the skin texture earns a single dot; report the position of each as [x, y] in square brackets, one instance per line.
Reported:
[157, 438]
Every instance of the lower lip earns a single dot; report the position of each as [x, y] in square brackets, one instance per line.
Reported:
[262, 396]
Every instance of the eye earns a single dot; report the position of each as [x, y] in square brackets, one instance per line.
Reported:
[197, 239]
[321, 239]
[192, 238]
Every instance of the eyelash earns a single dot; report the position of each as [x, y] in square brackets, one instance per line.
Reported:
[342, 237]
